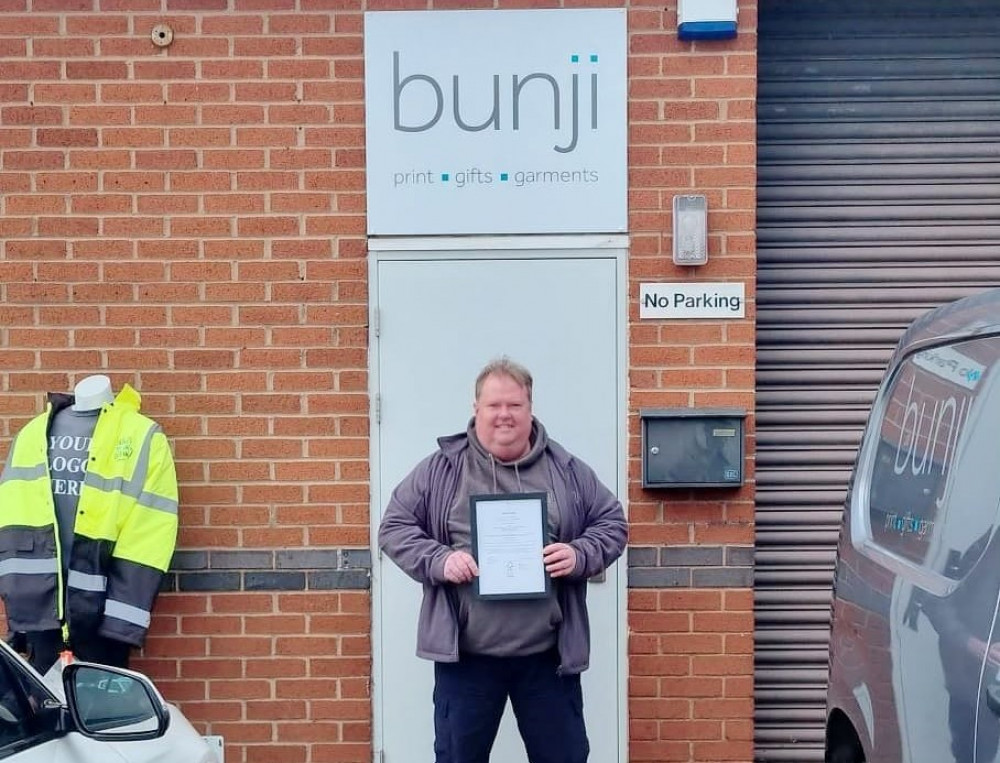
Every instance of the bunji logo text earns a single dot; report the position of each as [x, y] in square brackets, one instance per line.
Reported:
[430, 100]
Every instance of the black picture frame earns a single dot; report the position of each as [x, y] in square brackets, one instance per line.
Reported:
[478, 504]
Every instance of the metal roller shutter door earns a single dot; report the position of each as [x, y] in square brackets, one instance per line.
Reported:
[878, 197]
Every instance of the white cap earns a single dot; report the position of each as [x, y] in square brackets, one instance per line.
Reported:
[92, 392]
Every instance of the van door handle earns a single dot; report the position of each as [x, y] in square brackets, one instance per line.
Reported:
[993, 697]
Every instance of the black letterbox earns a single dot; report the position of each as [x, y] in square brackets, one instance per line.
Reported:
[690, 447]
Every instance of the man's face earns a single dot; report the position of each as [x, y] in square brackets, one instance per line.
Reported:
[503, 417]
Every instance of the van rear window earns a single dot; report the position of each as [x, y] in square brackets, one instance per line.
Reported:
[937, 457]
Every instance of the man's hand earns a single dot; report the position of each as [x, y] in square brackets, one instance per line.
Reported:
[559, 559]
[460, 567]
[984, 651]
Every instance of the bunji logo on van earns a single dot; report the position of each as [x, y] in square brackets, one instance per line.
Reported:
[530, 101]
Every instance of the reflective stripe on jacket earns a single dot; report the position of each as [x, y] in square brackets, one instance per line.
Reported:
[124, 534]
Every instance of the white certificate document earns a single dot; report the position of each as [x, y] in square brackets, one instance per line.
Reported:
[508, 534]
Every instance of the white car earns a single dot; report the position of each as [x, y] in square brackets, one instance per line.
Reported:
[95, 714]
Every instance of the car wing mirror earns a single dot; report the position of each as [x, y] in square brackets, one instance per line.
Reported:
[113, 704]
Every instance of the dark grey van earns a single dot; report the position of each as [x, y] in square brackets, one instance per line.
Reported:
[915, 645]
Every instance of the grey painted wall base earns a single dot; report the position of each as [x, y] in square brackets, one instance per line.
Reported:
[690, 567]
[349, 569]
[275, 570]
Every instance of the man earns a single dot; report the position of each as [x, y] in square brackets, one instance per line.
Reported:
[486, 650]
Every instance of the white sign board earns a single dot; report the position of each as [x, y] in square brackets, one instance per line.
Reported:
[496, 122]
[692, 300]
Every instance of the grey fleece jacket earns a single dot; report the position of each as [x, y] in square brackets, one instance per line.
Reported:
[414, 533]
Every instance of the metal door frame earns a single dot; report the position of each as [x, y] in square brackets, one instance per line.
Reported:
[489, 248]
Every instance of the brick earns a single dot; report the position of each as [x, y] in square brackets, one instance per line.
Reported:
[15, 71]
[296, 158]
[202, 226]
[134, 226]
[199, 181]
[36, 204]
[333, 46]
[274, 581]
[203, 359]
[740, 556]
[163, 70]
[660, 622]
[172, 159]
[31, 115]
[658, 577]
[643, 557]
[265, 136]
[198, 92]
[34, 249]
[691, 556]
[11, 182]
[98, 338]
[271, 537]
[210, 624]
[189, 560]
[344, 535]
[95, 70]
[130, 92]
[268, 226]
[73, 182]
[723, 665]
[33, 293]
[356, 558]
[99, 159]
[690, 600]
[232, 70]
[209, 581]
[235, 114]
[30, 382]
[311, 559]
[238, 381]
[723, 622]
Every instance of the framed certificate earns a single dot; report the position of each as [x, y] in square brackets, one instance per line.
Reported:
[508, 534]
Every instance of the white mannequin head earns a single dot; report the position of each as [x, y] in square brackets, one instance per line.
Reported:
[92, 392]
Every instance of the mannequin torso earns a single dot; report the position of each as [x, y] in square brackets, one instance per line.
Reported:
[70, 434]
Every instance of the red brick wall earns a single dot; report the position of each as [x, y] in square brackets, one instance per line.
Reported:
[692, 130]
[190, 220]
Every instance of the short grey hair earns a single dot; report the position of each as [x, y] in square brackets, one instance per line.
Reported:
[504, 366]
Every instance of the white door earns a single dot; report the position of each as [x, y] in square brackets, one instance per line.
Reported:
[440, 318]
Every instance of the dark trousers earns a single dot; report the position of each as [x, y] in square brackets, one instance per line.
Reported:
[43, 648]
[469, 700]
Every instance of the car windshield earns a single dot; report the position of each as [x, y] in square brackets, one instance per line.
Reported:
[934, 491]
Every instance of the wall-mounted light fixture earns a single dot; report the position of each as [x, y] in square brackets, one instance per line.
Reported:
[690, 230]
[706, 19]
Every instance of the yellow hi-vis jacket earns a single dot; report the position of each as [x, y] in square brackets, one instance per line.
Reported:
[124, 534]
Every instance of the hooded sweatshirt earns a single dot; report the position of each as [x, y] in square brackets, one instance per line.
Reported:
[515, 627]
[414, 533]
